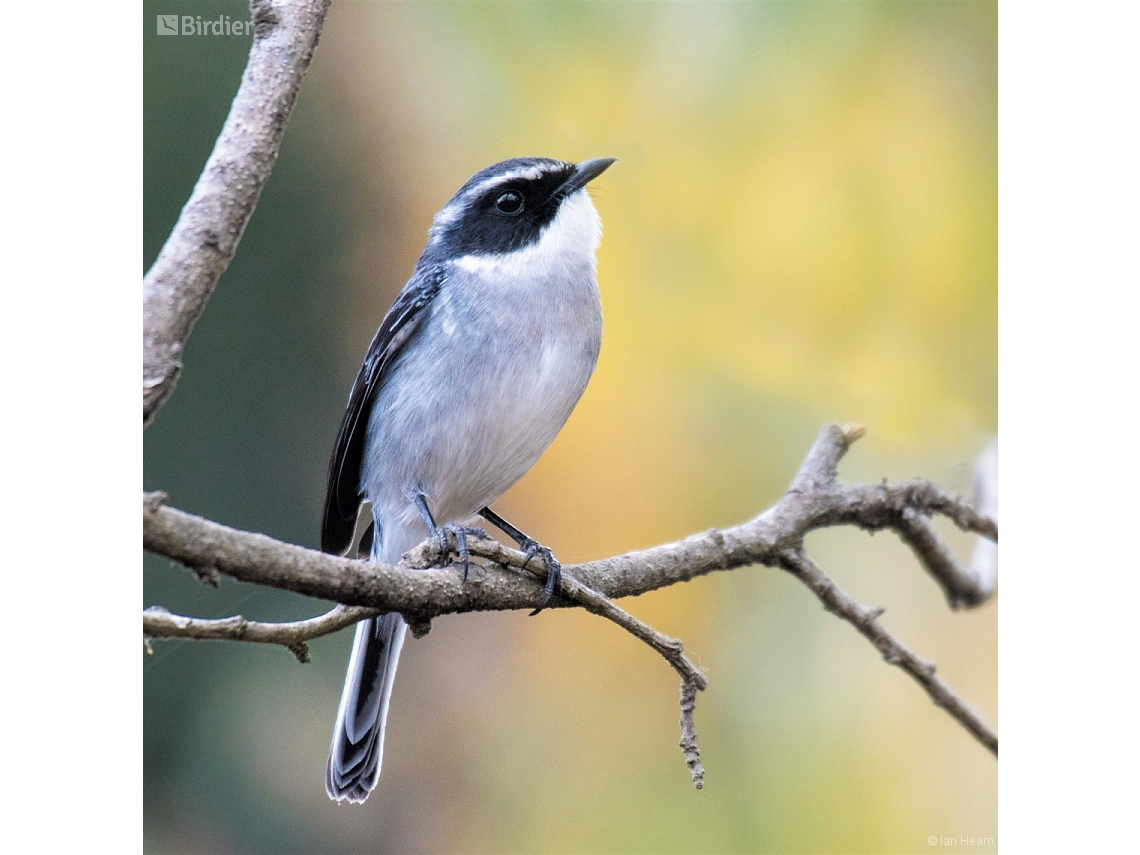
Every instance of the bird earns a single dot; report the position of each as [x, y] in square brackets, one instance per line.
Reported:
[472, 373]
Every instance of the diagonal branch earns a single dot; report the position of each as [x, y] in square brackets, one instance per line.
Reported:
[672, 650]
[961, 586]
[865, 620]
[206, 236]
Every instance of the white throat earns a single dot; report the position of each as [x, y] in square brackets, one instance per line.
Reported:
[570, 240]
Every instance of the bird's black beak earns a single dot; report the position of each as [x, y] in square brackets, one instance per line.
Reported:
[584, 173]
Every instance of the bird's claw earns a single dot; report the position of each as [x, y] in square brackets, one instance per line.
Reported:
[461, 532]
[532, 548]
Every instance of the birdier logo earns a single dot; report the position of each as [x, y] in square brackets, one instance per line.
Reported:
[193, 25]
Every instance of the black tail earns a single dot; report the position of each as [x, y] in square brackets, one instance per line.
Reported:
[358, 738]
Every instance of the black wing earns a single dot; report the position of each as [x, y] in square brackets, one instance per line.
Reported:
[343, 496]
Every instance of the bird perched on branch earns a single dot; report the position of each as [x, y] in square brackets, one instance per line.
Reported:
[474, 370]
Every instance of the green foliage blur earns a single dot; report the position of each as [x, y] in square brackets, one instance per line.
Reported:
[802, 228]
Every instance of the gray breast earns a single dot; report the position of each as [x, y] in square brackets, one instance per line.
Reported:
[483, 389]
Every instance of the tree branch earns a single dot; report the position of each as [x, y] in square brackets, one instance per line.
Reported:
[420, 590]
[961, 587]
[159, 623]
[865, 620]
[206, 236]
[671, 649]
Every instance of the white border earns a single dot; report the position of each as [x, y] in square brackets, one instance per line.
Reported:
[70, 338]
[1068, 316]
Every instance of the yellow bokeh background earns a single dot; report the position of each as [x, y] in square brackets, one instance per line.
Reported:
[801, 228]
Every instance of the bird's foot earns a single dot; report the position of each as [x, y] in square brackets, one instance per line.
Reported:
[461, 533]
[531, 548]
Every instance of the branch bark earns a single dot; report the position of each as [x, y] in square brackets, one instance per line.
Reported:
[206, 236]
[894, 652]
[420, 590]
[159, 623]
[672, 650]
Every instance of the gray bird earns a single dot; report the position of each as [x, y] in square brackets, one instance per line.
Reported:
[474, 370]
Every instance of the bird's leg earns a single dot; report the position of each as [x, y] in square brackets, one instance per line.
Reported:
[440, 532]
[531, 548]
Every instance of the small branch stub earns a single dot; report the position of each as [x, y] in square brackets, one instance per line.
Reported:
[689, 734]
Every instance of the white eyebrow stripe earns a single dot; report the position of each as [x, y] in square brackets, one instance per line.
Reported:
[454, 210]
[527, 173]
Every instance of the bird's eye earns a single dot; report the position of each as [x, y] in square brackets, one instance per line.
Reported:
[510, 202]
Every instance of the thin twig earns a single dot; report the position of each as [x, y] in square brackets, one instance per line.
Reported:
[894, 652]
[671, 649]
[961, 586]
[159, 623]
[879, 506]
[206, 236]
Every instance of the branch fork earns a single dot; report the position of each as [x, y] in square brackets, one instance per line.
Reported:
[420, 589]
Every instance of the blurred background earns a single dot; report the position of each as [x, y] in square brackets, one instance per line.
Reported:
[802, 228]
